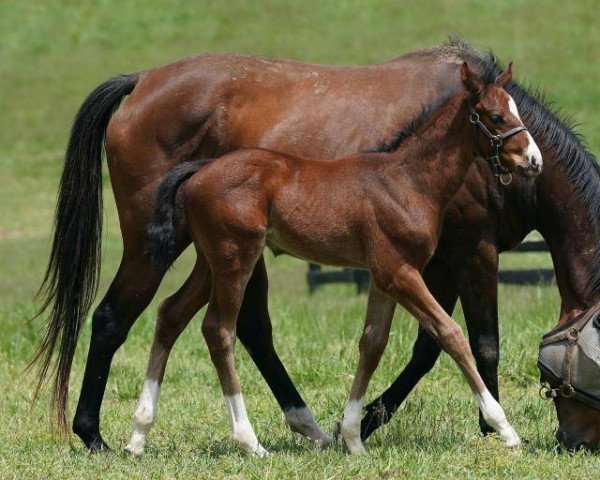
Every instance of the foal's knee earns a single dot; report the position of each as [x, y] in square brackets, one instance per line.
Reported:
[373, 342]
[450, 335]
[218, 339]
[169, 326]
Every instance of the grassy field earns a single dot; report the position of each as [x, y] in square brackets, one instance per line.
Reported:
[54, 52]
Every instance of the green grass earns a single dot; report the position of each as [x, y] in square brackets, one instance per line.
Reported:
[53, 53]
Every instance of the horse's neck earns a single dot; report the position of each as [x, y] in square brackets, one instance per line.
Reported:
[438, 156]
[565, 224]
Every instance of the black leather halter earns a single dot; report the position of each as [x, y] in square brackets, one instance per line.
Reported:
[496, 140]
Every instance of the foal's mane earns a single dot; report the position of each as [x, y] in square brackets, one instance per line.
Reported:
[415, 124]
[554, 130]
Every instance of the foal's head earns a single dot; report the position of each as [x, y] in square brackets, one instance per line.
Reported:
[501, 136]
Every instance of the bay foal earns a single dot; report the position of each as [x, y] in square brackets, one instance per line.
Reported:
[381, 211]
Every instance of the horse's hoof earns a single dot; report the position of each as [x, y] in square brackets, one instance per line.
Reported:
[97, 445]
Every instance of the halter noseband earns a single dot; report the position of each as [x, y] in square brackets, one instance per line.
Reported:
[564, 377]
[496, 140]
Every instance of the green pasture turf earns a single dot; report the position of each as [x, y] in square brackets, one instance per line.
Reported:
[53, 52]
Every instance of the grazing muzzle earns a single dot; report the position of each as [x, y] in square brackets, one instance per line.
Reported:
[569, 360]
[496, 141]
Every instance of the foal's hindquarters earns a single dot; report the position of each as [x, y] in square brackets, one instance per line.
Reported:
[232, 217]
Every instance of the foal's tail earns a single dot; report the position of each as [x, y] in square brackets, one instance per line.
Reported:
[71, 279]
[161, 234]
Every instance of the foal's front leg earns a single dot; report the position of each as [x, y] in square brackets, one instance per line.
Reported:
[380, 311]
[408, 287]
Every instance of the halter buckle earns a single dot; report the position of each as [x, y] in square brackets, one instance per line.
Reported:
[474, 117]
[566, 391]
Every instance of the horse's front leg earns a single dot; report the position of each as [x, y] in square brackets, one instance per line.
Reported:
[478, 291]
[380, 311]
[440, 281]
[407, 285]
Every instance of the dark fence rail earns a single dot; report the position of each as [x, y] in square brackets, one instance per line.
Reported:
[317, 276]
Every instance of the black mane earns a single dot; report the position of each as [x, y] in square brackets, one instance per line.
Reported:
[544, 121]
[555, 131]
[414, 125]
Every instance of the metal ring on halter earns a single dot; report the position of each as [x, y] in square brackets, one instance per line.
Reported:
[474, 118]
[505, 178]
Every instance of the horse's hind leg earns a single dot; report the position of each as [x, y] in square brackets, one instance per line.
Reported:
[254, 330]
[380, 312]
[408, 287]
[174, 316]
[128, 295]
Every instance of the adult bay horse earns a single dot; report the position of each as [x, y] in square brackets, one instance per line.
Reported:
[246, 200]
[205, 106]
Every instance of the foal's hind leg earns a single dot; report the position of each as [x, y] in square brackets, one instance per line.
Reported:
[254, 330]
[408, 287]
[174, 316]
[230, 277]
[380, 312]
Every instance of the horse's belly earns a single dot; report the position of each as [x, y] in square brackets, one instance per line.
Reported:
[327, 251]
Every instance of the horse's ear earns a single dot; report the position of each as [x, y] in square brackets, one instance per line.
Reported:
[471, 80]
[506, 76]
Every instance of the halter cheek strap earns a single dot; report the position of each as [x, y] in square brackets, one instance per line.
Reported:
[496, 140]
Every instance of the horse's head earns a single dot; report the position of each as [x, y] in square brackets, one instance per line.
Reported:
[501, 136]
[578, 424]
[569, 362]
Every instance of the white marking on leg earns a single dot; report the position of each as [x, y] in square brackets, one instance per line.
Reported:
[302, 421]
[243, 433]
[144, 416]
[351, 426]
[534, 156]
[494, 415]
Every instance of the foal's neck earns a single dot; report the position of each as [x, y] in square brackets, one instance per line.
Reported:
[437, 157]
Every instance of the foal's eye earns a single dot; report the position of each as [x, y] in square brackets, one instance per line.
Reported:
[495, 118]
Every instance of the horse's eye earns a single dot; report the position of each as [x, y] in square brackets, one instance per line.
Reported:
[496, 118]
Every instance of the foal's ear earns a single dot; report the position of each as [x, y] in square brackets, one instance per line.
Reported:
[506, 76]
[471, 80]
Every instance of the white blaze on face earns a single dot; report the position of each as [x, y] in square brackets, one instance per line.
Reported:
[534, 156]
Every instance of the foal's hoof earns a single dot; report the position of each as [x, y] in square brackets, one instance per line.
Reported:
[134, 450]
[511, 438]
[136, 444]
[260, 452]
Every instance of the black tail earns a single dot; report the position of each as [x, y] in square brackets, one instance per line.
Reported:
[161, 234]
[71, 278]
